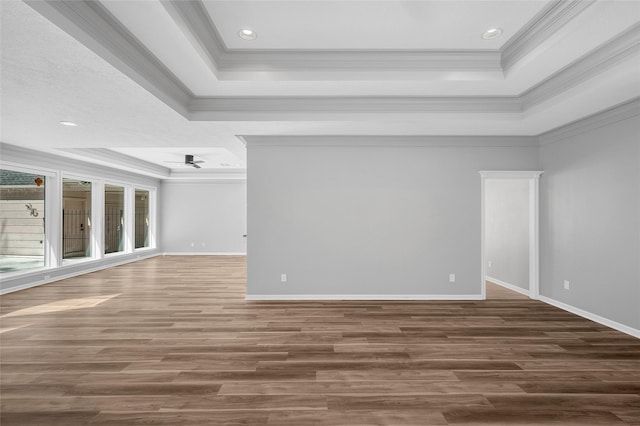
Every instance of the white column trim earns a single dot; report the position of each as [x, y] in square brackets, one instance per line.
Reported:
[533, 178]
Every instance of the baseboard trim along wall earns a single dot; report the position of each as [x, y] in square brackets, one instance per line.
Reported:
[205, 254]
[593, 317]
[74, 273]
[363, 297]
[509, 286]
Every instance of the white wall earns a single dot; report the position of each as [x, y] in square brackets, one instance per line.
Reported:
[507, 231]
[590, 219]
[346, 217]
[209, 215]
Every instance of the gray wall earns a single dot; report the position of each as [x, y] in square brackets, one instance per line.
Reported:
[507, 231]
[590, 220]
[211, 215]
[365, 219]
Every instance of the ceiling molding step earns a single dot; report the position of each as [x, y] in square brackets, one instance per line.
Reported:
[117, 160]
[395, 141]
[588, 66]
[195, 180]
[609, 116]
[96, 28]
[194, 22]
[549, 20]
[192, 17]
[55, 160]
[361, 60]
[200, 174]
[270, 105]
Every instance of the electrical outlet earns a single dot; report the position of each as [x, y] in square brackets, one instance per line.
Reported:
[283, 278]
[46, 277]
[193, 244]
[452, 278]
[490, 264]
[566, 285]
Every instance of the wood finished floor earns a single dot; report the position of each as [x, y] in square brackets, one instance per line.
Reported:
[171, 340]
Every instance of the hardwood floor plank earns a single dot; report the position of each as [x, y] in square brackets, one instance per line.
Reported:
[382, 387]
[515, 416]
[146, 389]
[357, 417]
[43, 418]
[240, 417]
[258, 402]
[173, 341]
[407, 402]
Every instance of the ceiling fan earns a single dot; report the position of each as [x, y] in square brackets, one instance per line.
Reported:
[189, 161]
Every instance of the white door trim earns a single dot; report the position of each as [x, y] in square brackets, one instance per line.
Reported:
[533, 177]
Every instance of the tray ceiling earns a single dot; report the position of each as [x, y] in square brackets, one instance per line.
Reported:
[315, 68]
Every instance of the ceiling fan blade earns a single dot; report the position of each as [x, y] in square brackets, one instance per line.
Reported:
[199, 161]
[196, 166]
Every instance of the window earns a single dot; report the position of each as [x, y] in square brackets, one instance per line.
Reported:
[76, 219]
[22, 215]
[142, 218]
[113, 219]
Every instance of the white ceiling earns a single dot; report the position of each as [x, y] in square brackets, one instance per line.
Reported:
[170, 77]
[365, 24]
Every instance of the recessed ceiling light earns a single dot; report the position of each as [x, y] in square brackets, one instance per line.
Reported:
[68, 123]
[247, 34]
[492, 33]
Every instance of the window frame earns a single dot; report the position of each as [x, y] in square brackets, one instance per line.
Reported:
[51, 216]
[95, 184]
[126, 215]
[53, 203]
[152, 216]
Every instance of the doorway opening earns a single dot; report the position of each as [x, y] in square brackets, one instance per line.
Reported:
[509, 231]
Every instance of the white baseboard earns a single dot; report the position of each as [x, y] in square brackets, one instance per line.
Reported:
[593, 317]
[29, 285]
[363, 297]
[73, 274]
[509, 286]
[204, 254]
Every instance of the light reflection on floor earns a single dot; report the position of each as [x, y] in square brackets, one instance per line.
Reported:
[62, 305]
[7, 329]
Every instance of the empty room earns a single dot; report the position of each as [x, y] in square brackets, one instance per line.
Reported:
[355, 212]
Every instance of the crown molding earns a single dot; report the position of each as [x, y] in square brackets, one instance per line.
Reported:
[200, 175]
[597, 61]
[115, 159]
[118, 160]
[95, 27]
[609, 116]
[205, 180]
[241, 108]
[625, 46]
[195, 23]
[362, 60]
[193, 19]
[74, 161]
[259, 141]
[549, 20]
